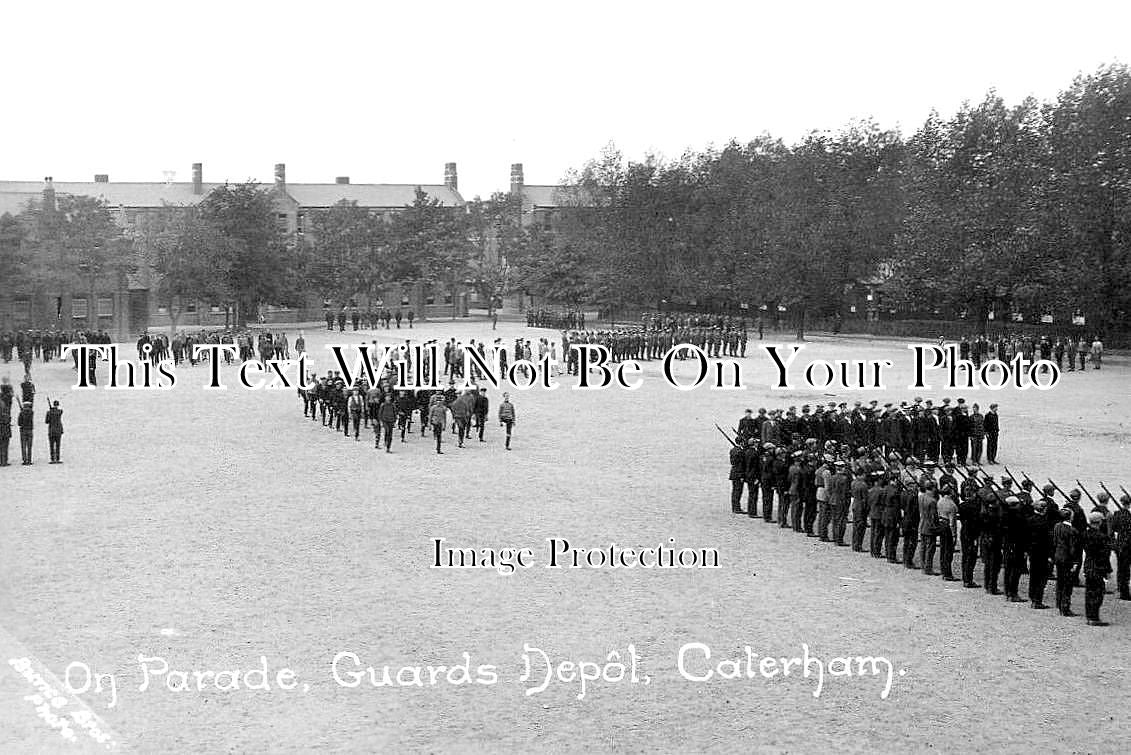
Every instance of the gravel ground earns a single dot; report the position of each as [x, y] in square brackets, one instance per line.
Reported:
[214, 528]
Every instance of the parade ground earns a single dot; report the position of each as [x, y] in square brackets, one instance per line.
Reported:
[208, 529]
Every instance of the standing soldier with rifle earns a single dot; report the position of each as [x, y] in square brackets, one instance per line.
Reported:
[1065, 542]
[737, 473]
[1121, 531]
[1097, 565]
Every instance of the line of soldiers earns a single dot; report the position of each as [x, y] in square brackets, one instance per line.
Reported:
[1004, 347]
[369, 319]
[546, 318]
[832, 491]
[43, 345]
[936, 432]
[24, 404]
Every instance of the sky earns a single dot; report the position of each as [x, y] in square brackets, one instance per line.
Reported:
[387, 92]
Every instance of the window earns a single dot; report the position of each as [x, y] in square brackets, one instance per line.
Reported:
[431, 298]
[404, 301]
[447, 297]
[162, 309]
[78, 309]
[105, 306]
[190, 307]
[281, 220]
[214, 308]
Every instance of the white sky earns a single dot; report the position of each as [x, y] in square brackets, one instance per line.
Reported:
[390, 91]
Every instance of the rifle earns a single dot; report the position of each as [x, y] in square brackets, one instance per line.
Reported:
[1093, 500]
[1057, 487]
[725, 435]
[1015, 482]
[1124, 490]
[1104, 488]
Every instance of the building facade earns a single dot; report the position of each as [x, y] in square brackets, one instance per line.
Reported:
[124, 307]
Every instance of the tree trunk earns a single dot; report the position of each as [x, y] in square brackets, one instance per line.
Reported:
[801, 324]
[174, 317]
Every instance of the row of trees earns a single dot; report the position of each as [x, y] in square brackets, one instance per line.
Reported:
[999, 209]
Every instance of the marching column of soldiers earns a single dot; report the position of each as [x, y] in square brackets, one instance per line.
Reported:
[866, 479]
[349, 409]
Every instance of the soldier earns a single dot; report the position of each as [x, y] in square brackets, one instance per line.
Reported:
[1040, 545]
[506, 411]
[1065, 542]
[737, 477]
[6, 398]
[437, 418]
[356, 405]
[893, 520]
[411, 317]
[977, 435]
[26, 423]
[1121, 534]
[746, 426]
[1080, 523]
[1097, 565]
[859, 491]
[386, 416]
[481, 409]
[991, 538]
[1014, 536]
[790, 506]
[991, 424]
[970, 515]
[767, 480]
[753, 474]
[54, 422]
[406, 405]
[909, 505]
[928, 525]
[838, 503]
[947, 529]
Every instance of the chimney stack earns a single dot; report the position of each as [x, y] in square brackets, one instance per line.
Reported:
[48, 193]
[101, 178]
[281, 176]
[197, 178]
[516, 178]
[451, 179]
[342, 180]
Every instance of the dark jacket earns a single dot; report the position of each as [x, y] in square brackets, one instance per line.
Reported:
[54, 421]
[26, 420]
[1065, 540]
[990, 423]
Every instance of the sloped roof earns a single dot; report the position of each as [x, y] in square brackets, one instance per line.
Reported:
[14, 195]
[370, 195]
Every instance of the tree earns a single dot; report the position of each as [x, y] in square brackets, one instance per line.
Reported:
[189, 258]
[347, 253]
[498, 238]
[431, 243]
[77, 246]
[264, 265]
